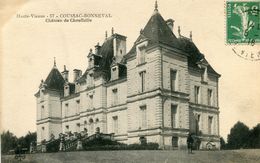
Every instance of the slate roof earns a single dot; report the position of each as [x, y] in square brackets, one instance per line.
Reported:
[157, 31]
[194, 54]
[106, 53]
[55, 80]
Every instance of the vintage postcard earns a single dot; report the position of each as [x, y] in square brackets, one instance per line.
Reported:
[130, 81]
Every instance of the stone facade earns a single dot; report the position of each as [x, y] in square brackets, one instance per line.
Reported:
[161, 90]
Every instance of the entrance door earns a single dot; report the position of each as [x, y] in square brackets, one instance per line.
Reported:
[175, 142]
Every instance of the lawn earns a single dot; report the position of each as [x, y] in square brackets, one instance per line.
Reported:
[174, 156]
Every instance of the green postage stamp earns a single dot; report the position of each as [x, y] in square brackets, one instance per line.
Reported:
[242, 22]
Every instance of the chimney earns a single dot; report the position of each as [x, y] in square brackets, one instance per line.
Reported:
[170, 22]
[119, 45]
[76, 74]
[97, 47]
[65, 74]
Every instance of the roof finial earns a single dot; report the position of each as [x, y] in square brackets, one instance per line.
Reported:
[141, 31]
[191, 35]
[156, 6]
[54, 62]
[179, 31]
[106, 34]
[112, 30]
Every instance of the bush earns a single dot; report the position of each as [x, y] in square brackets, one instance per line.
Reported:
[148, 146]
[53, 146]
[97, 142]
[104, 144]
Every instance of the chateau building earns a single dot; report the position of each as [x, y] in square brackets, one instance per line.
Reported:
[161, 90]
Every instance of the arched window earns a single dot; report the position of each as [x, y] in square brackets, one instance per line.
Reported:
[143, 140]
[91, 126]
[97, 130]
[97, 120]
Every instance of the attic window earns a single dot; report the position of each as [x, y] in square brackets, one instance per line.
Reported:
[66, 87]
[141, 55]
[114, 69]
[204, 75]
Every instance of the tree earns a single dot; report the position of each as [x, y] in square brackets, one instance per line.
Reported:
[26, 140]
[238, 137]
[254, 137]
[8, 141]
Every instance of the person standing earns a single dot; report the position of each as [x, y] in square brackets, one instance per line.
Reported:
[190, 143]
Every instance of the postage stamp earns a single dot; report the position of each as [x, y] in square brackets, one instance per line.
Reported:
[242, 22]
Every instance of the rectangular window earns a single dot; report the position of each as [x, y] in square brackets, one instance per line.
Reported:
[91, 79]
[67, 128]
[42, 112]
[66, 111]
[173, 116]
[115, 124]
[173, 76]
[210, 100]
[78, 106]
[78, 127]
[198, 124]
[91, 102]
[143, 117]
[115, 97]
[142, 76]
[197, 94]
[210, 122]
[43, 133]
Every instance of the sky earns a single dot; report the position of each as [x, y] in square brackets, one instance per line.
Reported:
[28, 47]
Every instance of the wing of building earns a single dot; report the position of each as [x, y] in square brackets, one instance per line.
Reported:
[161, 90]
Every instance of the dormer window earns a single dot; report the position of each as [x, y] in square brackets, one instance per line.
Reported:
[115, 72]
[42, 94]
[204, 75]
[67, 90]
[141, 55]
[140, 49]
